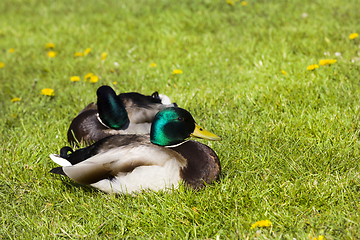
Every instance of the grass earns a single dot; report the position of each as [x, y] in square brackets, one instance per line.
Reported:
[290, 148]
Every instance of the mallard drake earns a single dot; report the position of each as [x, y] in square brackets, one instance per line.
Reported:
[131, 163]
[127, 113]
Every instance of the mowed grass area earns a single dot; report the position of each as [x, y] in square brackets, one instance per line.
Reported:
[290, 140]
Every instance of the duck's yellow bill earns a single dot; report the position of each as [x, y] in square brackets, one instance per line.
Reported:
[202, 133]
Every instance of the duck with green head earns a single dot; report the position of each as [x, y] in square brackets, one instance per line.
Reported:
[131, 163]
[126, 113]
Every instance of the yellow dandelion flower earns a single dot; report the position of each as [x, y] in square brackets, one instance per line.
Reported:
[114, 83]
[15, 99]
[103, 56]
[152, 65]
[87, 51]
[320, 237]
[48, 92]
[177, 71]
[230, 2]
[11, 50]
[353, 36]
[49, 46]
[75, 78]
[262, 223]
[2, 64]
[312, 67]
[283, 72]
[78, 54]
[244, 3]
[324, 62]
[52, 54]
[88, 76]
[94, 79]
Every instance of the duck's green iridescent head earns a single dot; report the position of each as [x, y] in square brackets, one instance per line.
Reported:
[111, 109]
[173, 125]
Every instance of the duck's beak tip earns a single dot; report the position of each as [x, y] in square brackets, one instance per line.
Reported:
[202, 133]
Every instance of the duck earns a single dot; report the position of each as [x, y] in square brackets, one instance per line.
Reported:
[162, 160]
[126, 113]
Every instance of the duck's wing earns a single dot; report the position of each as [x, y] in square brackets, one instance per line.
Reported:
[142, 108]
[118, 161]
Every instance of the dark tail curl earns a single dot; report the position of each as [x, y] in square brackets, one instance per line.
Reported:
[64, 152]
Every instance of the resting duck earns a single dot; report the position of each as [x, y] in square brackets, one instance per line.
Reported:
[131, 163]
[127, 113]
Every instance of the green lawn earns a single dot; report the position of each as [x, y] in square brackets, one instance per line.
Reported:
[289, 149]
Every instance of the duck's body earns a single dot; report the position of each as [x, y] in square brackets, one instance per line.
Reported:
[131, 163]
[117, 164]
[126, 113]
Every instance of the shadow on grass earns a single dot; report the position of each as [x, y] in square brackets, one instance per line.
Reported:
[74, 186]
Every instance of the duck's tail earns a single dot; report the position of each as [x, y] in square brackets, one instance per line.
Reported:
[58, 170]
[165, 99]
[59, 160]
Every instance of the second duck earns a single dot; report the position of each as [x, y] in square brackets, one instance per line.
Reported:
[126, 113]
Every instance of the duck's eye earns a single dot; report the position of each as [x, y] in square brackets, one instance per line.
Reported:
[180, 119]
